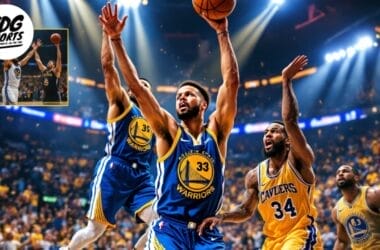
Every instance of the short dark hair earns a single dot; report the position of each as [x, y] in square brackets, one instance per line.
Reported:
[355, 170]
[281, 123]
[198, 86]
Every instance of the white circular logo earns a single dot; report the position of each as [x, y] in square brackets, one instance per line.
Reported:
[16, 31]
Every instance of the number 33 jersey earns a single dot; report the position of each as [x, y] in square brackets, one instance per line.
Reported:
[190, 178]
[285, 200]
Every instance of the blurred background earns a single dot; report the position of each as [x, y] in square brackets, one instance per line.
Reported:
[47, 155]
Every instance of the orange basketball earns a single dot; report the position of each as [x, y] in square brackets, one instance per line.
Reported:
[214, 9]
[55, 38]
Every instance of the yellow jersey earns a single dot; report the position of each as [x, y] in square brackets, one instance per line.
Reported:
[286, 202]
[361, 223]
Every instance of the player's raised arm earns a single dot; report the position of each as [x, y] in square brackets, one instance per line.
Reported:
[40, 65]
[226, 102]
[113, 87]
[302, 155]
[30, 54]
[58, 63]
[158, 118]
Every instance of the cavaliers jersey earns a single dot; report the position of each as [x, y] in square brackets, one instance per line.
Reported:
[12, 76]
[285, 201]
[361, 223]
[130, 138]
[190, 178]
[50, 83]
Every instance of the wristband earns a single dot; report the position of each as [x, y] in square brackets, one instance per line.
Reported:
[222, 33]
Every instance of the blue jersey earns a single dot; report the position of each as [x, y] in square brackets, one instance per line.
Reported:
[130, 138]
[190, 178]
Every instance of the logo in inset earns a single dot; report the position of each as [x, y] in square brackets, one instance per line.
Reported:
[16, 31]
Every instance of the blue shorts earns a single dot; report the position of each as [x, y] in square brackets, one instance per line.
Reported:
[172, 234]
[117, 184]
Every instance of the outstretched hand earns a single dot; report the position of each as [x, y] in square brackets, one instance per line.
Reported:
[112, 25]
[37, 44]
[220, 25]
[294, 67]
[209, 222]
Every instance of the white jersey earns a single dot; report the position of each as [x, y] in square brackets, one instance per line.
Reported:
[12, 78]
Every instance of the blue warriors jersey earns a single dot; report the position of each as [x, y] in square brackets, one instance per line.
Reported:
[190, 178]
[361, 223]
[130, 138]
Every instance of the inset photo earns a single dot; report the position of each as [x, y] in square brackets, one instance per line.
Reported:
[39, 77]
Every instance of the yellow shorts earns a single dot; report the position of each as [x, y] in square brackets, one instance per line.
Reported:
[295, 240]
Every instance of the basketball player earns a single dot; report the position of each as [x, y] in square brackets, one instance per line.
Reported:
[12, 75]
[189, 184]
[50, 77]
[122, 177]
[357, 213]
[281, 187]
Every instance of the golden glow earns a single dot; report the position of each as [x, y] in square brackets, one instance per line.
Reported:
[36, 17]
[251, 84]
[168, 89]
[246, 39]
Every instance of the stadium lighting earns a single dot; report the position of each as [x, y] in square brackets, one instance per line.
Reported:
[134, 4]
[278, 2]
[364, 43]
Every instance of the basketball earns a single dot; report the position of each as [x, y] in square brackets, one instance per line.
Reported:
[55, 38]
[214, 9]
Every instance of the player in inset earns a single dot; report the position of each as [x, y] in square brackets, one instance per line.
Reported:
[191, 153]
[357, 213]
[12, 75]
[122, 177]
[281, 187]
[50, 77]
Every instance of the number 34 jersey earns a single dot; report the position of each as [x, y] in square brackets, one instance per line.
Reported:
[285, 201]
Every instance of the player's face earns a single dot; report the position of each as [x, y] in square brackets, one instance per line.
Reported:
[274, 140]
[188, 102]
[345, 177]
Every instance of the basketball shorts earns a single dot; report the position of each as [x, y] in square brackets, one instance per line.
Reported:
[172, 234]
[296, 240]
[116, 184]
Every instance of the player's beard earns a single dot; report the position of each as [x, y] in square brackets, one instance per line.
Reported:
[191, 113]
[346, 184]
[277, 149]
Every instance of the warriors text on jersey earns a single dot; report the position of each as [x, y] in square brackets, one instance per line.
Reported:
[361, 223]
[130, 138]
[190, 178]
